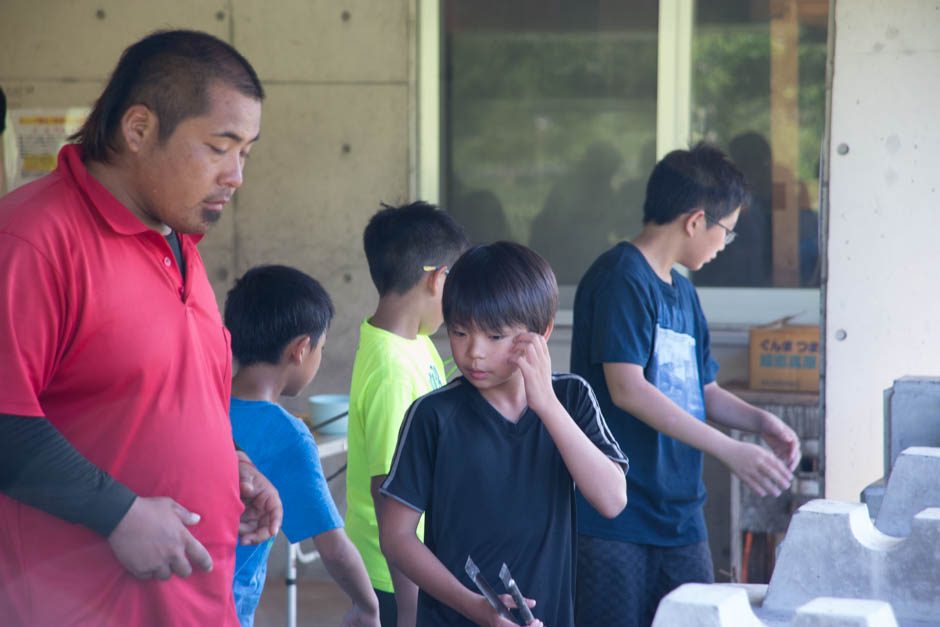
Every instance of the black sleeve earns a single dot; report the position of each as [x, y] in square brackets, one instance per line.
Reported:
[3, 111]
[578, 398]
[410, 478]
[40, 468]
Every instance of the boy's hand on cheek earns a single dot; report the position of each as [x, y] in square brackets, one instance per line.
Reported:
[530, 354]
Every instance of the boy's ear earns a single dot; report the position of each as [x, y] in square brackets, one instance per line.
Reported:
[297, 348]
[435, 280]
[548, 331]
[690, 221]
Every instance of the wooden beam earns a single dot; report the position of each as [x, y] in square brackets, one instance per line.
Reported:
[784, 140]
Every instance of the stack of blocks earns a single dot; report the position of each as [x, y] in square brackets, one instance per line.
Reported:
[836, 568]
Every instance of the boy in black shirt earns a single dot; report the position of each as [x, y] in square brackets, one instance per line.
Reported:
[493, 457]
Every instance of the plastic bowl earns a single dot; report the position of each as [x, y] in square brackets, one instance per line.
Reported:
[326, 406]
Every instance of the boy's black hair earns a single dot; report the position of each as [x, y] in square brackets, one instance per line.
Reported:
[700, 178]
[270, 306]
[169, 72]
[400, 241]
[498, 285]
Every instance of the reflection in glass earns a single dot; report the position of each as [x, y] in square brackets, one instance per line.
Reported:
[551, 118]
[550, 125]
[758, 92]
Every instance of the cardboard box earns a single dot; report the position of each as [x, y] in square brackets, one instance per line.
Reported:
[784, 357]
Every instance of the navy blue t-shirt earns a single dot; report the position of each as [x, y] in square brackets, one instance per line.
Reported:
[624, 313]
[496, 490]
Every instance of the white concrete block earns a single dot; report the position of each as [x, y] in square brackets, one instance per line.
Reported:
[833, 612]
[833, 549]
[704, 605]
[912, 487]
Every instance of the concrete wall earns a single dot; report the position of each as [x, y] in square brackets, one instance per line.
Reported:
[883, 220]
[335, 134]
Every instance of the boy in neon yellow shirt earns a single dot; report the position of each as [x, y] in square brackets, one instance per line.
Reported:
[409, 250]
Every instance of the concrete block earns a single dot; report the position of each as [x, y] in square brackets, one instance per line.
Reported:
[833, 549]
[756, 592]
[704, 605]
[912, 487]
[874, 495]
[733, 605]
[911, 415]
[833, 612]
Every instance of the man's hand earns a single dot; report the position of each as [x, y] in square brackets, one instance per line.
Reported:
[357, 617]
[263, 510]
[152, 541]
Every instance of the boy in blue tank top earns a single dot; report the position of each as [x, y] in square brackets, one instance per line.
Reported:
[641, 340]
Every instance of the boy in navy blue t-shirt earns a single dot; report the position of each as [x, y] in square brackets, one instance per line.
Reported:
[640, 339]
[492, 458]
[278, 317]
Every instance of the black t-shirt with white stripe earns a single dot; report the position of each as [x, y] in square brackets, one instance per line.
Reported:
[496, 490]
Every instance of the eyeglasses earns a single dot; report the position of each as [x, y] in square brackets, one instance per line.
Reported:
[730, 234]
[433, 268]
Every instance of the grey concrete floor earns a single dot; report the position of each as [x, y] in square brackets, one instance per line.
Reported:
[319, 602]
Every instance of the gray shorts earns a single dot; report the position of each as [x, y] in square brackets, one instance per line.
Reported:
[620, 584]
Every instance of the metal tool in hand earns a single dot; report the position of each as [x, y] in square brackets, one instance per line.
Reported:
[521, 605]
[473, 572]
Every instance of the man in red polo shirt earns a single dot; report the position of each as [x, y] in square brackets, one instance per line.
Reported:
[117, 466]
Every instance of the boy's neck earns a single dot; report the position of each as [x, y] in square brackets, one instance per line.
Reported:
[660, 247]
[399, 314]
[508, 399]
[259, 382]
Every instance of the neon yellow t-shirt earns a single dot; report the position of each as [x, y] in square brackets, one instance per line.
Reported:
[389, 373]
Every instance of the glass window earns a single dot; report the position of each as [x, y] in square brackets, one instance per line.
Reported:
[549, 123]
[758, 91]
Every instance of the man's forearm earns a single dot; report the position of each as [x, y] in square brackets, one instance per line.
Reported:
[40, 468]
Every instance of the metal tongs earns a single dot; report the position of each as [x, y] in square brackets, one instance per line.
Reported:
[473, 571]
[521, 605]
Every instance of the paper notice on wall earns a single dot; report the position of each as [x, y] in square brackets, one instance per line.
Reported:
[33, 139]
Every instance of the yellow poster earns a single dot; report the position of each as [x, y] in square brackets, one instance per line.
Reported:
[35, 137]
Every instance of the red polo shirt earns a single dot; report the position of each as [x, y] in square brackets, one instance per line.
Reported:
[100, 334]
